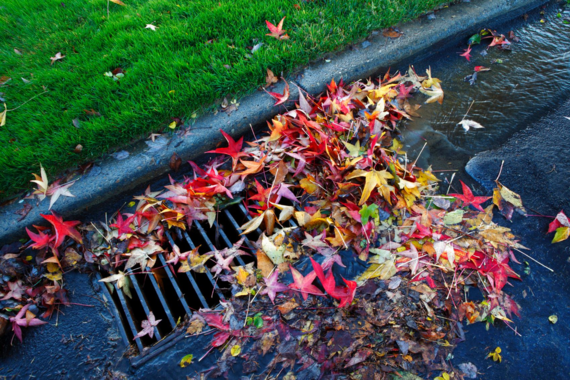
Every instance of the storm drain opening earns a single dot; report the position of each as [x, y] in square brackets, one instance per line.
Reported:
[173, 296]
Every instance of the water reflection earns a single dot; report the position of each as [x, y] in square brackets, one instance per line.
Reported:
[532, 78]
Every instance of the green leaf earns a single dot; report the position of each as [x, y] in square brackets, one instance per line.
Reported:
[249, 321]
[368, 211]
[186, 360]
[562, 234]
[475, 39]
[453, 217]
[257, 321]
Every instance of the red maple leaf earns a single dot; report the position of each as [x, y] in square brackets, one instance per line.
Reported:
[123, 225]
[40, 239]
[63, 229]
[277, 31]
[233, 150]
[467, 53]
[281, 98]
[305, 284]
[344, 295]
[468, 199]
[272, 287]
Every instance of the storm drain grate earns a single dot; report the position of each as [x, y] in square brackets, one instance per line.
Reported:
[171, 296]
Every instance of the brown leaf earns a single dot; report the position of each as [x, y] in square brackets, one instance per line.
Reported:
[279, 171]
[287, 306]
[270, 78]
[24, 211]
[391, 33]
[264, 263]
[78, 148]
[175, 162]
[91, 112]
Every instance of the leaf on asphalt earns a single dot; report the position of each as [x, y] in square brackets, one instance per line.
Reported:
[391, 33]
[186, 360]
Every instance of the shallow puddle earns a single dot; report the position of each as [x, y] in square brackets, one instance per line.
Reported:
[523, 85]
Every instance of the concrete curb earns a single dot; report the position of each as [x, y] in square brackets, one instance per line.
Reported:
[421, 38]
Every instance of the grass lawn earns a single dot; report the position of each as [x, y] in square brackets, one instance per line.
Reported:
[199, 53]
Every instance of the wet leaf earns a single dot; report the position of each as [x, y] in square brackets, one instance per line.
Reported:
[236, 350]
[186, 360]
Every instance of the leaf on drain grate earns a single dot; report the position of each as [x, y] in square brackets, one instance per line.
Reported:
[186, 360]
[148, 326]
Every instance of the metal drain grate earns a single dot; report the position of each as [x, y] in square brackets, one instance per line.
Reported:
[170, 295]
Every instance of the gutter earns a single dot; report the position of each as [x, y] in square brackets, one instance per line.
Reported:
[422, 38]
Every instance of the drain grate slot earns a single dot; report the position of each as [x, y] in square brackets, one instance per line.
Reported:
[129, 316]
[143, 301]
[215, 286]
[171, 295]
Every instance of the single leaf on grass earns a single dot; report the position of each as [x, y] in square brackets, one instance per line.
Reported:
[119, 2]
[58, 56]
[277, 31]
[186, 360]
[151, 27]
[3, 116]
[148, 326]
[270, 78]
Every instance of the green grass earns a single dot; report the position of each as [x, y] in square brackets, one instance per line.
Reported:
[172, 72]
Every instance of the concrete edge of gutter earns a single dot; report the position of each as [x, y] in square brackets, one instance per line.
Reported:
[421, 38]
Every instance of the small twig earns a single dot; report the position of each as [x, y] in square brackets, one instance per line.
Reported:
[469, 109]
[450, 182]
[418, 157]
[500, 170]
[29, 100]
[107, 9]
[533, 259]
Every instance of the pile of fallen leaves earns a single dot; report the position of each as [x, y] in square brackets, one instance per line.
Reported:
[362, 266]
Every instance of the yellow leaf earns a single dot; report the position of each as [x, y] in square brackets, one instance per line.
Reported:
[119, 2]
[172, 125]
[385, 271]
[3, 116]
[131, 204]
[236, 350]
[308, 185]
[374, 179]
[186, 360]
[252, 225]
[561, 234]
[553, 319]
